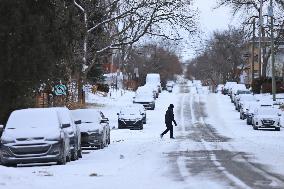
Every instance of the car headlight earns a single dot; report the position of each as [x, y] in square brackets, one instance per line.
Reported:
[7, 140]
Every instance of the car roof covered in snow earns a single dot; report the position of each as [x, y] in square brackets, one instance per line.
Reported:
[40, 117]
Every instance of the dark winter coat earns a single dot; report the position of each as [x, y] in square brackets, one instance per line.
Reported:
[170, 117]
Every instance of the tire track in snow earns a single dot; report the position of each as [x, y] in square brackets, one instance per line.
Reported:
[213, 157]
[259, 177]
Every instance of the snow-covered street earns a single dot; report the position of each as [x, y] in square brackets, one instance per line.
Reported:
[213, 148]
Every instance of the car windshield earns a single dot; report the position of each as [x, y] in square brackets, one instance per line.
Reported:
[28, 118]
[130, 111]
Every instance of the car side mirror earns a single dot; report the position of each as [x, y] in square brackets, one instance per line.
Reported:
[66, 125]
[104, 120]
[77, 122]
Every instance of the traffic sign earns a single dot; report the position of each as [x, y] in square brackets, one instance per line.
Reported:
[60, 90]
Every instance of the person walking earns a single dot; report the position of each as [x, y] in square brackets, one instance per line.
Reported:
[169, 118]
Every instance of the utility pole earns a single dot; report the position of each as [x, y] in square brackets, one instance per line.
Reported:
[270, 12]
[253, 48]
[260, 37]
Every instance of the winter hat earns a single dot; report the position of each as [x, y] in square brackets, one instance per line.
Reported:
[171, 106]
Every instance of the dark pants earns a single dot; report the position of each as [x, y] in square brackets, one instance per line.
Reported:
[169, 128]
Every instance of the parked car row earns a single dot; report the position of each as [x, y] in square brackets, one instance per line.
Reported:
[39, 135]
[258, 110]
[134, 116]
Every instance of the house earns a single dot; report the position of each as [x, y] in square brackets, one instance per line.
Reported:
[279, 59]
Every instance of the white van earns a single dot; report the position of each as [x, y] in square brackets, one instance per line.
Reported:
[154, 79]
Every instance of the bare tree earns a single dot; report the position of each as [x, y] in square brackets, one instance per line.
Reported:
[221, 59]
[127, 21]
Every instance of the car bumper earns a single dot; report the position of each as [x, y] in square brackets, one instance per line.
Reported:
[30, 154]
[129, 124]
[272, 124]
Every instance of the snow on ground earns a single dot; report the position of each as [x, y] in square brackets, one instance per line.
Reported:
[265, 147]
[139, 159]
[134, 159]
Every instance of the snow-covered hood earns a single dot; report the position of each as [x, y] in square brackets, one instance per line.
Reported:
[91, 127]
[267, 117]
[31, 133]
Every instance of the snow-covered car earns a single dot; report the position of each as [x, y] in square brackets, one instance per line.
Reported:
[254, 106]
[35, 135]
[170, 86]
[94, 127]
[146, 99]
[154, 88]
[228, 86]
[155, 80]
[237, 90]
[73, 131]
[130, 118]
[247, 109]
[144, 90]
[219, 88]
[242, 98]
[142, 111]
[266, 117]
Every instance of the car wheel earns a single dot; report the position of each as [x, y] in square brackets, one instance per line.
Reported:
[108, 138]
[80, 153]
[101, 146]
[62, 158]
[241, 117]
[74, 154]
[255, 127]
[106, 142]
[277, 129]
[68, 158]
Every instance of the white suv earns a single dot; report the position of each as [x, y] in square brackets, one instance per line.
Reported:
[266, 117]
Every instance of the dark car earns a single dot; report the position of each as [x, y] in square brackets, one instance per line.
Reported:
[130, 118]
[146, 99]
[94, 127]
[35, 135]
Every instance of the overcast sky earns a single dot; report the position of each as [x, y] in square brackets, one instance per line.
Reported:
[210, 20]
